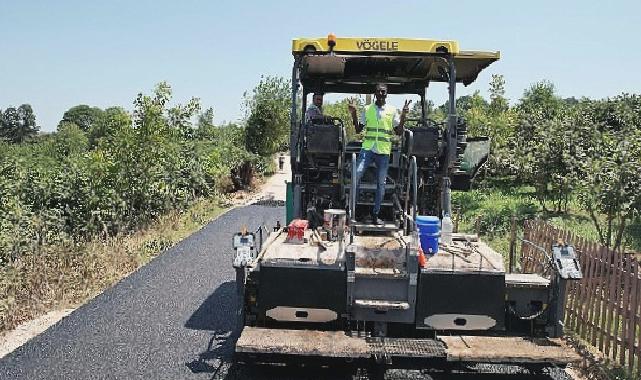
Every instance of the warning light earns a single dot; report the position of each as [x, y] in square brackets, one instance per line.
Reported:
[331, 40]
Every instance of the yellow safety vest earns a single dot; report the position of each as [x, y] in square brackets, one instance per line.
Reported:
[379, 131]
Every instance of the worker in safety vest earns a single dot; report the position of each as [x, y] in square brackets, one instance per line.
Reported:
[380, 121]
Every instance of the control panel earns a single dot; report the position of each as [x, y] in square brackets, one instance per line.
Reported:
[244, 247]
[566, 262]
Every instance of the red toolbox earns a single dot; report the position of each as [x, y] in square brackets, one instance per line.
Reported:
[296, 231]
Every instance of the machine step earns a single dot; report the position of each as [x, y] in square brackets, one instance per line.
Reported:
[367, 203]
[360, 226]
[371, 187]
[382, 304]
[526, 280]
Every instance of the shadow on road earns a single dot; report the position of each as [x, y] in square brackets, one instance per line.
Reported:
[216, 314]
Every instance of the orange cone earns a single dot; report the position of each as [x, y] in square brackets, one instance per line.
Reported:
[422, 260]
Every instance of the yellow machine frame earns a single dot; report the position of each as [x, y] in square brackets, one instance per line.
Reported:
[386, 45]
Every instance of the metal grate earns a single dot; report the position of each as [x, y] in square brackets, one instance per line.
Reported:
[269, 202]
[406, 347]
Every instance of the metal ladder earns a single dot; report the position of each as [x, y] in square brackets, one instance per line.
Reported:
[353, 196]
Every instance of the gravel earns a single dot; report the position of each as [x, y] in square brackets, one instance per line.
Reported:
[175, 319]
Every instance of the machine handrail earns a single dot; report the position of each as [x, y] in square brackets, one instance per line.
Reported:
[412, 180]
[352, 193]
[352, 196]
[410, 142]
[415, 189]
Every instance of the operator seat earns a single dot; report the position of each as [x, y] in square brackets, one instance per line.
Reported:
[323, 136]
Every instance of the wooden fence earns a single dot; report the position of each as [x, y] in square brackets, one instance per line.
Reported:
[603, 307]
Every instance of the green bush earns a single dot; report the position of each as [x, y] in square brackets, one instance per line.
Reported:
[493, 209]
[63, 188]
[268, 110]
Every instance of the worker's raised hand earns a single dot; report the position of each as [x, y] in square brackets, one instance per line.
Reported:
[351, 106]
[406, 106]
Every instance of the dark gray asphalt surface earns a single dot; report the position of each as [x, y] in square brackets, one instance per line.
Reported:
[172, 319]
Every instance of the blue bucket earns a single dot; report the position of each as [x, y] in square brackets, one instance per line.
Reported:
[429, 242]
[425, 223]
[429, 232]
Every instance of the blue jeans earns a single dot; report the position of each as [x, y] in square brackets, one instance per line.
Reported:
[365, 158]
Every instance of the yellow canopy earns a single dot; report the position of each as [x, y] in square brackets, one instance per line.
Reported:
[407, 65]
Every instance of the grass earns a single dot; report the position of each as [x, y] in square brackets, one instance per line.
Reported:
[596, 365]
[65, 276]
[488, 211]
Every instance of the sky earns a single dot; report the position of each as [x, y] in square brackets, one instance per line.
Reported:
[55, 55]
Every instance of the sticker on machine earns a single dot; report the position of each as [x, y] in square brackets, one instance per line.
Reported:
[459, 322]
[301, 314]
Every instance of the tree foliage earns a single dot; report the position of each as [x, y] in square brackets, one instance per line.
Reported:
[339, 109]
[608, 157]
[64, 188]
[70, 140]
[82, 115]
[542, 143]
[95, 122]
[18, 124]
[267, 110]
[416, 111]
[111, 120]
[565, 149]
[498, 102]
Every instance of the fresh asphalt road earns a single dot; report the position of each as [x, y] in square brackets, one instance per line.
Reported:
[172, 319]
[168, 320]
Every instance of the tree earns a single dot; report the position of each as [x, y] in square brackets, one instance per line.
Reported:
[541, 144]
[498, 102]
[541, 100]
[497, 124]
[16, 125]
[180, 118]
[94, 121]
[267, 111]
[608, 140]
[84, 116]
[339, 109]
[571, 101]
[205, 124]
[206, 119]
[553, 162]
[416, 112]
[463, 103]
[70, 139]
[111, 120]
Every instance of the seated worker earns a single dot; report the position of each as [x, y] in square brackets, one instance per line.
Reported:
[314, 110]
[379, 120]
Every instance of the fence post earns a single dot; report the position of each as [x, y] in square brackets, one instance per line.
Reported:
[457, 218]
[477, 226]
[512, 244]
